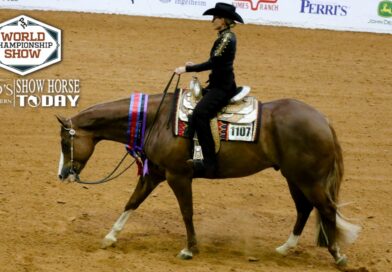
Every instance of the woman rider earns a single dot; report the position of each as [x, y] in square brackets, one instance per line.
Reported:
[221, 85]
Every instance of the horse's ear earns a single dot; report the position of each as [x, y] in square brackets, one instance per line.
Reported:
[62, 120]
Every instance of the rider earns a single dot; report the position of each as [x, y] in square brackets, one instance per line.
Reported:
[221, 85]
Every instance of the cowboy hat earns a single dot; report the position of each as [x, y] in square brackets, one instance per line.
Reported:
[224, 10]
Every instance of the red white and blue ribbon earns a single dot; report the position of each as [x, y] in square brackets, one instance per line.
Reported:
[137, 120]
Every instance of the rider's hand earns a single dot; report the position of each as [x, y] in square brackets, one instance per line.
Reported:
[180, 70]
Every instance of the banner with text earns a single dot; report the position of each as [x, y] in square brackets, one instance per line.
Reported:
[351, 15]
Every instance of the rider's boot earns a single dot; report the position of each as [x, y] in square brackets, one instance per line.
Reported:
[206, 168]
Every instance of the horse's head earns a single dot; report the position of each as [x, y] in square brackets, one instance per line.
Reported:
[77, 145]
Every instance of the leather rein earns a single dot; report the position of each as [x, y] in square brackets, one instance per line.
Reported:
[109, 177]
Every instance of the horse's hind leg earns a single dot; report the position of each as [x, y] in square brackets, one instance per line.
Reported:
[303, 207]
[144, 187]
[328, 232]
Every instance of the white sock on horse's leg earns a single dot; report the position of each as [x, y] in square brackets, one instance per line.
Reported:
[61, 164]
[290, 243]
[118, 226]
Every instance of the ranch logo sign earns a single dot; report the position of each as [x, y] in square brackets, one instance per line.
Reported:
[256, 5]
[28, 45]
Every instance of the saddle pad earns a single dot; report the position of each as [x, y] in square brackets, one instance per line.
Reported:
[240, 125]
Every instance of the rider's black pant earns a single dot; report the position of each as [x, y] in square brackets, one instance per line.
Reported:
[208, 107]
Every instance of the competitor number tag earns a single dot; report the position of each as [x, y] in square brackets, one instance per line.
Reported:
[240, 132]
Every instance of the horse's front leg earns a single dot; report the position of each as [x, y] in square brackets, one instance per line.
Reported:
[144, 187]
[182, 188]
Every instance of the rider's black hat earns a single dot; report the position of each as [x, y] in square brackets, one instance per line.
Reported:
[224, 10]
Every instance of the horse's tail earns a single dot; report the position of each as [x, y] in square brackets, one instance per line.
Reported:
[346, 232]
[335, 177]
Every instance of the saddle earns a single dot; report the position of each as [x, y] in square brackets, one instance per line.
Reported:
[238, 121]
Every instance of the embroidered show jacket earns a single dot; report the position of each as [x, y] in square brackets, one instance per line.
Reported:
[220, 62]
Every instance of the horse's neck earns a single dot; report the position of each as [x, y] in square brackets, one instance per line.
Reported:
[107, 121]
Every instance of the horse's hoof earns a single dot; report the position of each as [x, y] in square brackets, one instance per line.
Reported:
[282, 250]
[342, 261]
[185, 254]
[108, 242]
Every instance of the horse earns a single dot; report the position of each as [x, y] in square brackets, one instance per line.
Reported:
[294, 138]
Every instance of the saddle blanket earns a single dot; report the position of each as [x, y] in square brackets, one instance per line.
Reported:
[239, 121]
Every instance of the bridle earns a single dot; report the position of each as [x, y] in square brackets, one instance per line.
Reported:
[72, 133]
[72, 171]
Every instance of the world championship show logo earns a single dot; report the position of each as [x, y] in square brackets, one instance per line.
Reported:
[28, 45]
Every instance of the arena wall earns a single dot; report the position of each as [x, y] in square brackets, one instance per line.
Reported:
[352, 15]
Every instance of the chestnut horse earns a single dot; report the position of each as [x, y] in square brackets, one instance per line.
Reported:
[294, 137]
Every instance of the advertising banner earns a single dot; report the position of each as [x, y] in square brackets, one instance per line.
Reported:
[351, 15]
[84, 84]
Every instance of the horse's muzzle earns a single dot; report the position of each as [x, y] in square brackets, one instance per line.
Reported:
[67, 174]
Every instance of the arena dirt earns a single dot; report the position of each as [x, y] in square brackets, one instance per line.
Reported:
[49, 226]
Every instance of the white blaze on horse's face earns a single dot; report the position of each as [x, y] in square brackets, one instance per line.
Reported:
[76, 149]
[70, 177]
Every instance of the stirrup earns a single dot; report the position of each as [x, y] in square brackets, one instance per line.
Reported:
[197, 152]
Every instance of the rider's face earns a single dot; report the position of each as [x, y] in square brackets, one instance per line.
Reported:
[218, 23]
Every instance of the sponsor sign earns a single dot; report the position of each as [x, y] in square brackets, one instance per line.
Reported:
[323, 8]
[352, 15]
[27, 45]
[384, 12]
[190, 2]
[185, 2]
[257, 5]
[385, 9]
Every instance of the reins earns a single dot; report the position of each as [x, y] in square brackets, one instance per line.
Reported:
[72, 133]
[160, 105]
[109, 177]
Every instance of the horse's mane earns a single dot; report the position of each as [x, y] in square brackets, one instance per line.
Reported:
[101, 113]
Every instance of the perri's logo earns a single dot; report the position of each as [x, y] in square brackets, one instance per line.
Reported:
[27, 45]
